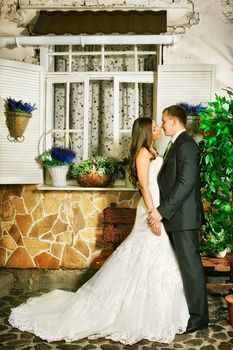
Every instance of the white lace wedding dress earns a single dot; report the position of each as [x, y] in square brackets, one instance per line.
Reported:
[137, 294]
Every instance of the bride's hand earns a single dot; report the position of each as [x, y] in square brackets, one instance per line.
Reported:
[156, 228]
[154, 217]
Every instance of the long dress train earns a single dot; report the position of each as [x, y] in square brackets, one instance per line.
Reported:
[137, 294]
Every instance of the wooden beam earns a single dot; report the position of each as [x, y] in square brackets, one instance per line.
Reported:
[219, 285]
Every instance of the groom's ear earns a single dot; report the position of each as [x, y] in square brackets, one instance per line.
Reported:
[175, 121]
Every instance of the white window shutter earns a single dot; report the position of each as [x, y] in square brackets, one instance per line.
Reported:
[21, 81]
[177, 83]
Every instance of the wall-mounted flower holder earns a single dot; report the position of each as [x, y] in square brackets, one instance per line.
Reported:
[17, 123]
[192, 125]
[18, 114]
[192, 111]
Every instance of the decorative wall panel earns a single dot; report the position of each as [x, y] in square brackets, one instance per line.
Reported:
[54, 229]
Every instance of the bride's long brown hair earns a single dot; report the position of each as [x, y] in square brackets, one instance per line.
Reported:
[141, 137]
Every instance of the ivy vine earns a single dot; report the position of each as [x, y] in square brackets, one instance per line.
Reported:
[216, 126]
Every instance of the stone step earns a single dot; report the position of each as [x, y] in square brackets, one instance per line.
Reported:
[43, 280]
[6, 283]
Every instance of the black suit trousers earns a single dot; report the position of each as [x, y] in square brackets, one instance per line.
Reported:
[186, 246]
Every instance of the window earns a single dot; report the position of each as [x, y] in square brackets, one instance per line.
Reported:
[94, 94]
[93, 111]
[102, 58]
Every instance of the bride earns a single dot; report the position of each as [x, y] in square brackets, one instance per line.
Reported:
[138, 292]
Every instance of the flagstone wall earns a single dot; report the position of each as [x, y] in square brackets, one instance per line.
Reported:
[54, 229]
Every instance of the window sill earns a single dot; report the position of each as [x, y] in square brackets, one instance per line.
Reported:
[80, 188]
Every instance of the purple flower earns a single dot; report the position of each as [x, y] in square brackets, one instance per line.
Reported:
[192, 109]
[65, 155]
[19, 106]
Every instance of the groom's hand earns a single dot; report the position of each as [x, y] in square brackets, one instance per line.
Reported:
[154, 217]
[156, 229]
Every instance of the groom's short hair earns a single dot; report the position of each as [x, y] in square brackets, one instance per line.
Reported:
[178, 112]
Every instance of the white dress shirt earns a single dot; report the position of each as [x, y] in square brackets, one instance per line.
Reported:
[173, 139]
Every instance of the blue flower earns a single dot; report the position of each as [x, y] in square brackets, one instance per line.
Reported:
[65, 155]
[19, 106]
[192, 109]
[57, 156]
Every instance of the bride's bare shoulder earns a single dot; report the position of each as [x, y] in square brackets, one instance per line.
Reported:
[144, 153]
[154, 153]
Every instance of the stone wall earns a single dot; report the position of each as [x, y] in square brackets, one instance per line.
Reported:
[54, 229]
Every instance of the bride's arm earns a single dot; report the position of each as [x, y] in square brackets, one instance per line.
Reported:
[142, 164]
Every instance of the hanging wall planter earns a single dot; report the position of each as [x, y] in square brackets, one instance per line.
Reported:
[18, 114]
[17, 123]
[192, 124]
[192, 111]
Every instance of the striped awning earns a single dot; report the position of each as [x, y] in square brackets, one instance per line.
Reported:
[102, 22]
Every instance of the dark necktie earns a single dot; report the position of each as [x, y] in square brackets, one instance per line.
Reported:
[167, 150]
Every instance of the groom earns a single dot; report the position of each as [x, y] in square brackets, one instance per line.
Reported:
[181, 211]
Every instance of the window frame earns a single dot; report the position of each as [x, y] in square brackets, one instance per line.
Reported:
[69, 77]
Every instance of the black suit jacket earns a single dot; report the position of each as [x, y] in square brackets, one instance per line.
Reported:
[179, 184]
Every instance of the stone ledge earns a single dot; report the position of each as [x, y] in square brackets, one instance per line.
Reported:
[6, 283]
[82, 189]
[43, 280]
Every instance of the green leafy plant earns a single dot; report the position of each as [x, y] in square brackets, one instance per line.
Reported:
[216, 125]
[100, 165]
[122, 166]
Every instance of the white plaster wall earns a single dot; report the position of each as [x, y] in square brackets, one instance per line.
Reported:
[210, 41]
[12, 23]
[205, 33]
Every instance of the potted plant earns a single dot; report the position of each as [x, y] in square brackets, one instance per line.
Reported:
[216, 124]
[97, 171]
[18, 114]
[192, 112]
[58, 161]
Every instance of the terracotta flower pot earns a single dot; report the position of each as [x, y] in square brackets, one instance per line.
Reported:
[229, 300]
[94, 180]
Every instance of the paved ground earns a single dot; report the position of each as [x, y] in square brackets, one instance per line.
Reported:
[219, 335]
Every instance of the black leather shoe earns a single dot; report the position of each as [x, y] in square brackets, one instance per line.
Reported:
[194, 329]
